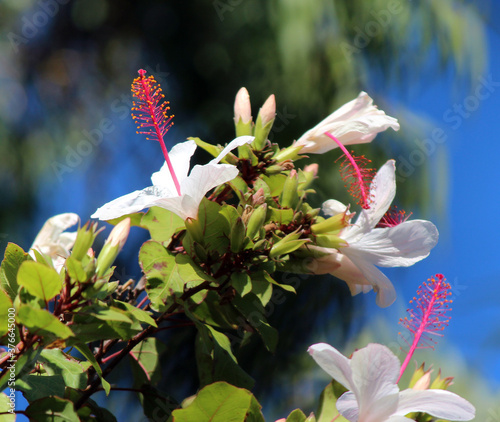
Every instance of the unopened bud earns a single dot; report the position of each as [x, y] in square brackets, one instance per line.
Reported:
[288, 244]
[256, 221]
[424, 382]
[264, 123]
[84, 240]
[112, 247]
[237, 236]
[331, 225]
[290, 153]
[258, 198]
[243, 113]
[242, 107]
[289, 196]
[312, 168]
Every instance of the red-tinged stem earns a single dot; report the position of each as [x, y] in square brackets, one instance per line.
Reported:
[353, 162]
[421, 329]
[143, 301]
[104, 360]
[158, 131]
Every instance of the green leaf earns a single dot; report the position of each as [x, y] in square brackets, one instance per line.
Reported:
[253, 311]
[211, 312]
[296, 416]
[327, 409]
[52, 409]
[215, 359]
[75, 270]
[135, 219]
[242, 283]
[221, 402]
[5, 305]
[275, 183]
[39, 280]
[23, 366]
[161, 223]
[73, 371]
[215, 227]
[35, 387]
[211, 149]
[135, 312]
[157, 405]
[85, 351]
[5, 406]
[42, 322]
[97, 322]
[145, 358]
[13, 258]
[263, 289]
[168, 275]
[284, 216]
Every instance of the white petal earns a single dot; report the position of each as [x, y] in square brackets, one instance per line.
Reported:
[348, 407]
[180, 157]
[204, 178]
[333, 363]
[356, 122]
[400, 419]
[399, 246]
[333, 207]
[53, 228]
[235, 143]
[340, 266]
[438, 403]
[375, 370]
[386, 294]
[382, 190]
[130, 203]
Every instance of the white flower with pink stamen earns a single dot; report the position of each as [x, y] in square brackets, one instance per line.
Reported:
[368, 246]
[371, 378]
[164, 194]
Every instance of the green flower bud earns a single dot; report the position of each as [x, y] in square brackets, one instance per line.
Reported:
[289, 196]
[264, 123]
[84, 240]
[237, 236]
[256, 221]
[290, 153]
[194, 229]
[331, 225]
[288, 244]
[112, 247]
[330, 241]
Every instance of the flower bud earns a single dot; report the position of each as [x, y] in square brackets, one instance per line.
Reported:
[194, 228]
[84, 240]
[331, 225]
[290, 197]
[237, 236]
[112, 247]
[330, 241]
[288, 244]
[264, 123]
[256, 221]
[258, 198]
[290, 153]
[243, 113]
